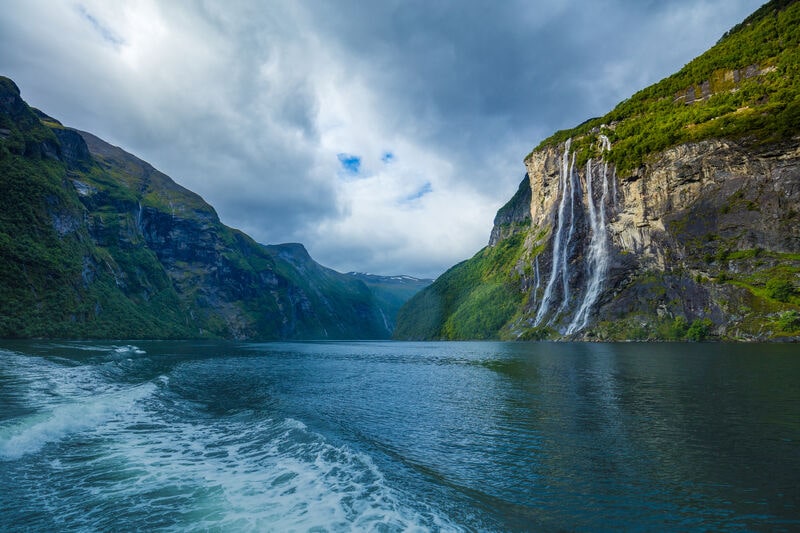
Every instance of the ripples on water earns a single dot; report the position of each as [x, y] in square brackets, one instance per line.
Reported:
[398, 436]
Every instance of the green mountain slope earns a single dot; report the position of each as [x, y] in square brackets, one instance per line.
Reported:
[391, 292]
[95, 242]
[472, 300]
[675, 216]
[745, 87]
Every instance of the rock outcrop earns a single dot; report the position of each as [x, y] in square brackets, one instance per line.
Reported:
[692, 233]
[514, 214]
[676, 216]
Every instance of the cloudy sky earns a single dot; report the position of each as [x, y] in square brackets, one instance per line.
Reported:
[382, 134]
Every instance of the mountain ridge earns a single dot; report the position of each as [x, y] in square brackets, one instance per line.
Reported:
[99, 243]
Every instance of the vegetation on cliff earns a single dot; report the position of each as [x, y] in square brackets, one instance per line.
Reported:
[745, 87]
[475, 299]
[702, 225]
[95, 243]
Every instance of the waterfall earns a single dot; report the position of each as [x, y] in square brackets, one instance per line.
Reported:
[597, 259]
[596, 252]
[614, 184]
[139, 219]
[557, 255]
[574, 188]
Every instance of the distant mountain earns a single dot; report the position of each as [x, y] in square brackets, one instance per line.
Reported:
[676, 216]
[95, 242]
[391, 292]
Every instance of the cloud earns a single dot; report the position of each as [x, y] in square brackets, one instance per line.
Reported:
[425, 189]
[251, 103]
[101, 29]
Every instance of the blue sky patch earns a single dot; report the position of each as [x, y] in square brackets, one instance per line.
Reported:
[350, 163]
[425, 189]
[387, 157]
[104, 31]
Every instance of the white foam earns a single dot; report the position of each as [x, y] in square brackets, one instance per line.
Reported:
[266, 475]
[128, 349]
[243, 472]
[29, 434]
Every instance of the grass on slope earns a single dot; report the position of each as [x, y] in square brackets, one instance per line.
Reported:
[472, 300]
[745, 87]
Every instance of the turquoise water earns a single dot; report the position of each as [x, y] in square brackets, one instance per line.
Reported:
[398, 436]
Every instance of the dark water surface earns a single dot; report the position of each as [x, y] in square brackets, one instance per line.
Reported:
[399, 436]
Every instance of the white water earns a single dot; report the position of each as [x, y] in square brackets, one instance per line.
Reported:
[596, 253]
[597, 260]
[139, 219]
[146, 455]
[392, 436]
[574, 188]
[31, 433]
[555, 268]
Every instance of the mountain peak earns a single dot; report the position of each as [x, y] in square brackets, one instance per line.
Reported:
[8, 87]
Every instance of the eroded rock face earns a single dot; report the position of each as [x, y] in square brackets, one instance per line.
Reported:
[712, 188]
[691, 216]
[73, 149]
[514, 214]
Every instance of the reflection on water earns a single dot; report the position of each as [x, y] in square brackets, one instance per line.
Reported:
[395, 436]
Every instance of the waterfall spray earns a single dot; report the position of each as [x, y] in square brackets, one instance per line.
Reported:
[555, 267]
[139, 219]
[597, 260]
[574, 188]
[597, 255]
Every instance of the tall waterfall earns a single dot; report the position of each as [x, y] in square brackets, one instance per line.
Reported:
[139, 219]
[574, 189]
[556, 269]
[597, 260]
[596, 253]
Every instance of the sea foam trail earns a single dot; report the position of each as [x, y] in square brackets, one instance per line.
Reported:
[151, 457]
[67, 398]
[273, 475]
[19, 437]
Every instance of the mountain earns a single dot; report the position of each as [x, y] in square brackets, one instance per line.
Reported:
[391, 292]
[95, 242]
[674, 216]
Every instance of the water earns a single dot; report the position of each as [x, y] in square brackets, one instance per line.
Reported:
[556, 269]
[598, 256]
[399, 436]
[593, 250]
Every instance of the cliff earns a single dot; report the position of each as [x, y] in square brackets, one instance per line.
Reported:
[95, 242]
[675, 216]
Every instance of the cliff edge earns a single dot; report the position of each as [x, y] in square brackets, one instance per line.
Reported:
[676, 216]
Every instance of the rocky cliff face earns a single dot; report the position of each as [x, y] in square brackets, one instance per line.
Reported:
[675, 216]
[514, 215]
[696, 233]
[97, 243]
[702, 240]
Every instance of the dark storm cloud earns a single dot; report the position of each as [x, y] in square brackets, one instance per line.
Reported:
[475, 71]
[251, 103]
